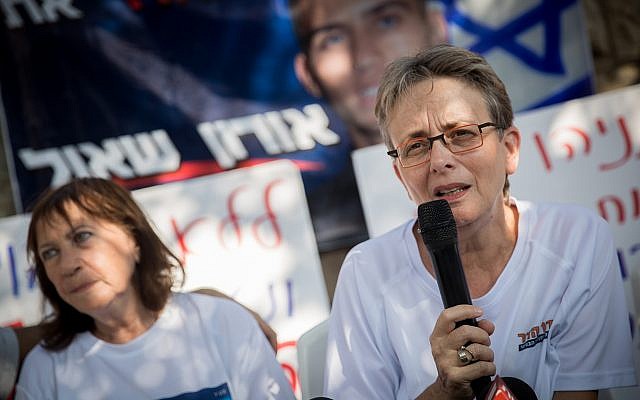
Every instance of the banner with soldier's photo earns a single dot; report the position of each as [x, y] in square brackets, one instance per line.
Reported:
[149, 91]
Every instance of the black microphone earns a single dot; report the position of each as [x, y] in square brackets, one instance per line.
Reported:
[439, 233]
[438, 229]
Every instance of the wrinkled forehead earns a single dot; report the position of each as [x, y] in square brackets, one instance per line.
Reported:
[55, 222]
[61, 214]
[64, 208]
[68, 213]
[434, 105]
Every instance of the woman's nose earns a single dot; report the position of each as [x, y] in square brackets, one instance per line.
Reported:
[69, 263]
[70, 271]
[440, 156]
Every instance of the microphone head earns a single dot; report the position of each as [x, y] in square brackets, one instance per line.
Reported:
[436, 223]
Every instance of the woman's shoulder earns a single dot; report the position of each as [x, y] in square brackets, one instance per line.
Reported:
[374, 266]
[209, 306]
[566, 231]
[37, 354]
[561, 218]
[380, 250]
[566, 210]
[37, 371]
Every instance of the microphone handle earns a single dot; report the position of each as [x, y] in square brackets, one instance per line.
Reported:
[454, 291]
[480, 387]
[450, 276]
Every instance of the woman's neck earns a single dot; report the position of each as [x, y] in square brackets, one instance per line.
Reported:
[124, 321]
[485, 249]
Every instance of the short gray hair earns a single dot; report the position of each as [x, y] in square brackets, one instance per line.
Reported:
[442, 60]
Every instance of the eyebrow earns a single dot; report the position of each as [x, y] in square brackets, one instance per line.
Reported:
[323, 29]
[425, 134]
[412, 135]
[416, 134]
[82, 224]
[451, 125]
[373, 10]
[45, 245]
[72, 229]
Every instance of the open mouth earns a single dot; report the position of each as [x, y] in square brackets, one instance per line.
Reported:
[451, 191]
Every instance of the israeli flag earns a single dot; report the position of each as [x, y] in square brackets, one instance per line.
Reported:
[539, 48]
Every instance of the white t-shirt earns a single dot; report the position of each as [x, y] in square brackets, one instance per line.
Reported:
[200, 347]
[558, 307]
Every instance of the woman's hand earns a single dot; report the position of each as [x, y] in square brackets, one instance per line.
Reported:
[454, 377]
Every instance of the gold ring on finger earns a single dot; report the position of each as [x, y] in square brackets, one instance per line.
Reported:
[465, 356]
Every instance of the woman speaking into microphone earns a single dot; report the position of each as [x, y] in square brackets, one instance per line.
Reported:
[543, 278]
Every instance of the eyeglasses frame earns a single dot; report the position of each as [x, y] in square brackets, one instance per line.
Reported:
[394, 153]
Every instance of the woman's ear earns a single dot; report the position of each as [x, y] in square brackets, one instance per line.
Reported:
[137, 254]
[305, 76]
[511, 142]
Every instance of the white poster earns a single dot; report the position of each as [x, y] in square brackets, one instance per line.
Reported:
[20, 299]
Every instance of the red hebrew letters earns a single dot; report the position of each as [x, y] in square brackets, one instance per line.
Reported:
[626, 139]
[181, 236]
[249, 217]
[621, 212]
[268, 219]
[289, 370]
[232, 220]
[573, 139]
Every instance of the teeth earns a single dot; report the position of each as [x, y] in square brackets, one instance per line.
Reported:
[445, 192]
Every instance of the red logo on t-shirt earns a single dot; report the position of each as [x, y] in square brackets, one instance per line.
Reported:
[535, 335]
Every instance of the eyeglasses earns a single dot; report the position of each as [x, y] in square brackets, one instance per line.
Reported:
[416, 151]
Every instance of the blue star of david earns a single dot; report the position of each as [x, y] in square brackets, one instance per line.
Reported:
[548, 13]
